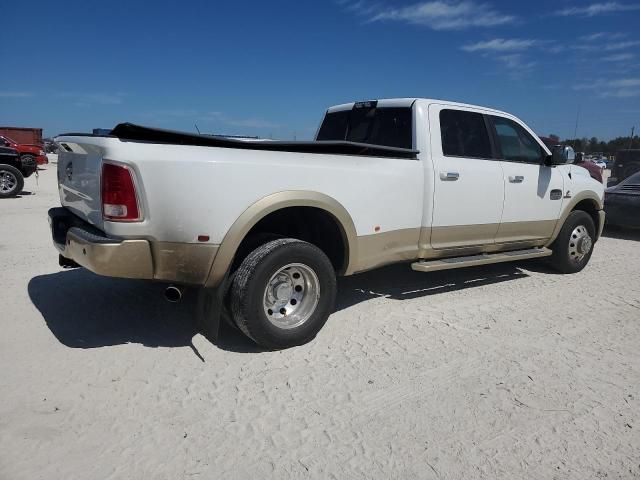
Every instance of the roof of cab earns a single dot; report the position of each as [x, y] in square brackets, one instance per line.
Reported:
[408, 102]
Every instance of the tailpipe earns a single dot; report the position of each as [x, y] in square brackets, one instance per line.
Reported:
[173, 294]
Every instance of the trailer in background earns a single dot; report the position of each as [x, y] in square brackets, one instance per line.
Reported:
[23, 135]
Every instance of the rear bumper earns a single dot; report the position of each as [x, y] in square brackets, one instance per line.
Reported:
[96, 252]
[129, 258]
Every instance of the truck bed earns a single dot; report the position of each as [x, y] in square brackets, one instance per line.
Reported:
[129, 132]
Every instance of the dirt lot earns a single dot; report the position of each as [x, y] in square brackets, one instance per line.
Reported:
[502, 372]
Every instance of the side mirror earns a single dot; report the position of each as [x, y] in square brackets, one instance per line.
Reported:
[561, 155]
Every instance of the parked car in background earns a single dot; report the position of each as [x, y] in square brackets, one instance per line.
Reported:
[265, 227]
[26, 151]
[594, 170]
[600, 162]
[14, 168]
[627, 163]
[622, 203]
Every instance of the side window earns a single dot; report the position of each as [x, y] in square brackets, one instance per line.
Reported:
[515, 142]
[464, 134]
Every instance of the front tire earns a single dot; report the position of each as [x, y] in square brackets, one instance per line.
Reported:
[573, 248]
[11, 181]
[283, 293]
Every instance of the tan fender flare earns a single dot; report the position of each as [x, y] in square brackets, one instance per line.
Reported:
[277, 201]
[569, 207]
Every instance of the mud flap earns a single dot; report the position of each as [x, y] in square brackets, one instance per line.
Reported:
[209, 309]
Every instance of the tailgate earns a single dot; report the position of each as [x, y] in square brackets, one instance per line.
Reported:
[79, 167]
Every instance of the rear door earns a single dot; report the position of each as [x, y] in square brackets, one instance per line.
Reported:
[468, 182]
[533, 191]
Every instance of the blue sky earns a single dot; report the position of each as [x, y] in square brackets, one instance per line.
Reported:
[271, 68]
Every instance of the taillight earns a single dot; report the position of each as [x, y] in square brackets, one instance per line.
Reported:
[119, 199]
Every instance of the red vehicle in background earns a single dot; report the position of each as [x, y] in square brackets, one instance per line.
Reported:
[594, 170]
[27, 151]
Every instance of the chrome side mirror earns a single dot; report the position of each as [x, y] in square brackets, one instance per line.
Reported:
[561, 155]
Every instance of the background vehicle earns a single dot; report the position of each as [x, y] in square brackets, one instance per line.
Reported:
[13, 170]
[27, 151]
[594, 170]
[265, 227]
[627, 163]
[600, 162]
[622, 202]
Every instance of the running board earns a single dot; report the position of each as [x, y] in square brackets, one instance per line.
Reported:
[482, 259]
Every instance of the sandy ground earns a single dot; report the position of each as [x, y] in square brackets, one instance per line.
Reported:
[506, 372]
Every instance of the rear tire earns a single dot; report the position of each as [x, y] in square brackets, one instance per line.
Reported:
[11, 181]
[573, 247]
[283, 293]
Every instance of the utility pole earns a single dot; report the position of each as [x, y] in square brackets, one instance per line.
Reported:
[631, 139]
[575, 132]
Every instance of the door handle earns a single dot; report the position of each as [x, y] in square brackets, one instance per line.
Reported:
[449, 176]
[516, 179]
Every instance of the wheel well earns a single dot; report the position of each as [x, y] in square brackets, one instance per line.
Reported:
[590, 207]
[309, 224]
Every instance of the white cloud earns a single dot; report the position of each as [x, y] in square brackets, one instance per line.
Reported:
[516, 62]
[438, 15]
[602, 35]
[87, 99]
[500, 45]
[15, 94]
[620, 57]
[597, 9]
[622, 88]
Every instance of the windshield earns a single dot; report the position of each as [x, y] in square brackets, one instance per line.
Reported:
[388, 126]
[4, 137]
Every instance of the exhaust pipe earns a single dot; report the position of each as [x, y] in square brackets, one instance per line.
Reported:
[173, 294]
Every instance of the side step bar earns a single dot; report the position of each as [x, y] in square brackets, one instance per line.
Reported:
[481, 259]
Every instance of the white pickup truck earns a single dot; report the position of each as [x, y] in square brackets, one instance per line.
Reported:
[263, 228]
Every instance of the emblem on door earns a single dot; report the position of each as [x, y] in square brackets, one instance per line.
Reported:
[69, 170]
[556, 194]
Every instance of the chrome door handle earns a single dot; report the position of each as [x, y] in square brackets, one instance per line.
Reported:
[449, 176]
[516, 179]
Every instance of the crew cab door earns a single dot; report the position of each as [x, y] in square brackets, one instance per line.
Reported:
[468, 189]
[533, 191]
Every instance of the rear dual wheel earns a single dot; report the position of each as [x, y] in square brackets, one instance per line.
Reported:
[283, 293]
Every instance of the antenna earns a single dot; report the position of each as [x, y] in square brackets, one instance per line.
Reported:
[631, 139]
[196, 125]
[575, 132]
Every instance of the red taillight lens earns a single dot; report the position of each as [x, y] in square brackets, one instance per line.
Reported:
[119, 201]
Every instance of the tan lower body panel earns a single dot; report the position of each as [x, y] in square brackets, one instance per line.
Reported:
[410, 244]
[463, 235]
[182, 262]
[386, 247]
[187, 263]
[525, 231]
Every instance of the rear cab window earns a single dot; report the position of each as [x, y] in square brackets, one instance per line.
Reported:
[464, 134]
[368, 123]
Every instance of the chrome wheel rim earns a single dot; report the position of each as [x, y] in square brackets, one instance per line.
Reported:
[8, 182]
[291, 296]
[580, 244]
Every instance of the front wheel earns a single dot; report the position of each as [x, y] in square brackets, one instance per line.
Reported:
[574, 245]
[283, 293]
[11, 181]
